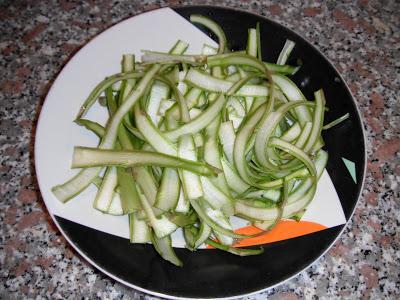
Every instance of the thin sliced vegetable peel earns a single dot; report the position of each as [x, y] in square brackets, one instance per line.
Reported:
[195, 139]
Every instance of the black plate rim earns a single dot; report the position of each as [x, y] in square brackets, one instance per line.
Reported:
[344, 226]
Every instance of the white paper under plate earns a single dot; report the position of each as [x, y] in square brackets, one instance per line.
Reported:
[57, 134]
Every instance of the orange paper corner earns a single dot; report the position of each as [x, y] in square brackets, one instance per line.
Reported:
[282, 231]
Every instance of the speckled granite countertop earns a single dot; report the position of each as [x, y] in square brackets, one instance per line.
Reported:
[361, 38]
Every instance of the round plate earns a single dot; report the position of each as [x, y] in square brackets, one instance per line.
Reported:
[223, 274]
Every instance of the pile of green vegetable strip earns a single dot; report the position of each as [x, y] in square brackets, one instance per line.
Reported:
[193, 140]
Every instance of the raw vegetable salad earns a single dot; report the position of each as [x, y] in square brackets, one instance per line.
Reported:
[193, 140]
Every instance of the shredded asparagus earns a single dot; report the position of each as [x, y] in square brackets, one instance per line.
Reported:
[194, 139]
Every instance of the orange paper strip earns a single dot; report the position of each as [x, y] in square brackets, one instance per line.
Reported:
[283, 230]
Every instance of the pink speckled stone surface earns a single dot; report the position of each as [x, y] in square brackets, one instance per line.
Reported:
[361, 38]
